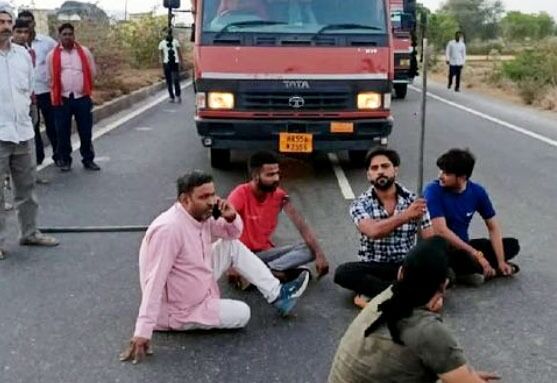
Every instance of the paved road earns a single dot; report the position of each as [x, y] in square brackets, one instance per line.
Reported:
[65, 313]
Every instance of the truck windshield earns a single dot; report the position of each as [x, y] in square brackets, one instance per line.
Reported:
[311, 17]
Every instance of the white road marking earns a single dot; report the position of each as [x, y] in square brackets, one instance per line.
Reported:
[102, 159]
[99, 132]
[487, 117]
[143, 129]
[343, 183]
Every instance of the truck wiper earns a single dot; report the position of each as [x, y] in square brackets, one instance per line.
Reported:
[331, 27]
[247, 23]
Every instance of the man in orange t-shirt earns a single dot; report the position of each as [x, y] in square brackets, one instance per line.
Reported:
[259, 203]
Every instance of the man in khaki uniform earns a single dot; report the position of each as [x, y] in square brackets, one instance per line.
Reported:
[400, 337]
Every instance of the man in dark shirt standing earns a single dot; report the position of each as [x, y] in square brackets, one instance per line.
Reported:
[452, 201]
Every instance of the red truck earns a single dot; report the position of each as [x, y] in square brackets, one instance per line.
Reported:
[403, 21]
[295, 76]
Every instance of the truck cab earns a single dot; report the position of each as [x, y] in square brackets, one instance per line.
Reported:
[403, 23]
[294, 76]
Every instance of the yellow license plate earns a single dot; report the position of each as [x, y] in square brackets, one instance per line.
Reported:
[296, 142]
[342, 127]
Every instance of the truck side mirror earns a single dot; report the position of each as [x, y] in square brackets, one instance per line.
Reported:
[407, 22]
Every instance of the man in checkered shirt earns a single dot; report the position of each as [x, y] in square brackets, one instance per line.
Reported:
[389, 218]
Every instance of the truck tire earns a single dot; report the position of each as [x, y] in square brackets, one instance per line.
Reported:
[357, 157]
[401, 90]
[220, 158]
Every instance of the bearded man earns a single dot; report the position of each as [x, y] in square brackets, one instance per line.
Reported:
[259, 203]
[389, 218]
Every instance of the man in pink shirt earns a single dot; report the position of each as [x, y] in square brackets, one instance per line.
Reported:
[183, 254]
[259, 203]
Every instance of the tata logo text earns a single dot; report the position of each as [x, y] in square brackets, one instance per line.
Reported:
[296, 102]
[296, 84]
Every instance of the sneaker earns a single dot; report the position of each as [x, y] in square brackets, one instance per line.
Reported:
[472, 280]
[3, 254]
[290, 292]
[42, 181]
[179, 100]
[8, 206]
[65, 167]
[39, 239]
[171, 101]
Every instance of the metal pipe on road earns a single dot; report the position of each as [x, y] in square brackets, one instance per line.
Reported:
[93, 229]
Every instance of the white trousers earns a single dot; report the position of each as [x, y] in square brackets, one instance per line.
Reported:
[232, 313]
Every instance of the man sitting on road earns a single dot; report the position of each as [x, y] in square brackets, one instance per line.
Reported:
[400, 335]
[259, 203]
[388, 217]
[179, 266]
[452, 201]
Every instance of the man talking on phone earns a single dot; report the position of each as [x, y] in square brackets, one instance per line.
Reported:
[180, 263]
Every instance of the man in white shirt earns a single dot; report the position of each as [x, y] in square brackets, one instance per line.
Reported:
[16, 136]
[455, 58]
[171, 59]
[42, 45]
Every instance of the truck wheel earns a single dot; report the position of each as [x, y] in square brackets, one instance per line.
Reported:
[401, 90]
[220, 158]
[357, 157]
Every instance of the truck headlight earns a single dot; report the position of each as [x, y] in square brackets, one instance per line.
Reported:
[220, 100]
[404, 63]
[369, 100]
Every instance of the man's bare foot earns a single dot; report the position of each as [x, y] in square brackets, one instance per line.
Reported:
[361, 301]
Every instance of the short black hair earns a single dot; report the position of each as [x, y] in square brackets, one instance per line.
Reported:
[20, 23]
[257, 160]
[27, 14]
[459, 162]
[191, 180]
[391, 154]
[66, 26]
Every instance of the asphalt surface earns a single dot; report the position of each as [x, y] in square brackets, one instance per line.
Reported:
[66, 312]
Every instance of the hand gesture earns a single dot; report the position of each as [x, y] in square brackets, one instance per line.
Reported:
[505, 269]
[137, 350]
[488, 271]
[227, 210]
[321, 265]
[416, 210]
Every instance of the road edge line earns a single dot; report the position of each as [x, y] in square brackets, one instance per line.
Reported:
[343, 183]
[487, 117]
[113, 125]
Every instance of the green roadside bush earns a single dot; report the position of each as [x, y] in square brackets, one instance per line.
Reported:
[534, 71]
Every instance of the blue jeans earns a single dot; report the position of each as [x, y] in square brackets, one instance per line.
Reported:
[80, 108]
[286, 257]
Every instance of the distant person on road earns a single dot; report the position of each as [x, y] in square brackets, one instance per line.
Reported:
[259, 203]
[17, 150]
[41, 45]
[455, 57]
[184, 253]
[172, 61]
[72, 71]
[389, 218]
[400, 336]
[452, 201]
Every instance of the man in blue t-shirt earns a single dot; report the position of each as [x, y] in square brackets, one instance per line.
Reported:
[452, 201]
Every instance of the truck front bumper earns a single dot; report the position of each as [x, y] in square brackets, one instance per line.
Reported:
[264, 134]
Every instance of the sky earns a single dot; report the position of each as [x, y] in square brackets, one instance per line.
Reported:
[529, 6]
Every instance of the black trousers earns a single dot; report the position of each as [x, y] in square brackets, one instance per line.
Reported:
[368, 278]
[47, 110]
[455, 71]
[172, 76]
[81, 109]
[463, 264]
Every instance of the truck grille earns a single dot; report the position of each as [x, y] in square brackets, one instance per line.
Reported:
[312, 101]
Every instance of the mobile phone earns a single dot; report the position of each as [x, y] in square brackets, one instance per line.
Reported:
[216, 212]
